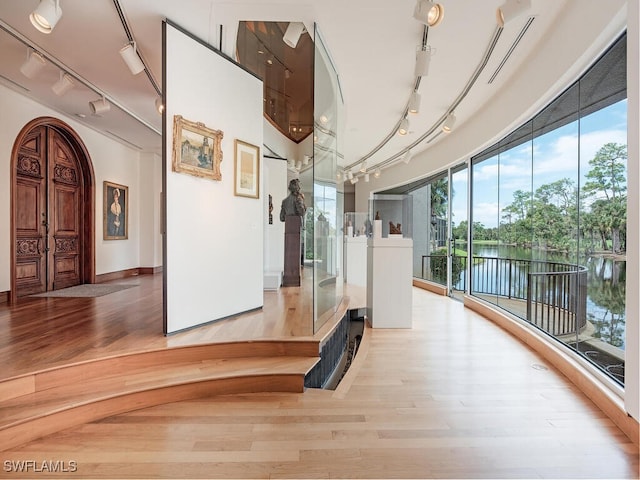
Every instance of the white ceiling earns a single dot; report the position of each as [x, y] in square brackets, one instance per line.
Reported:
[372, 43]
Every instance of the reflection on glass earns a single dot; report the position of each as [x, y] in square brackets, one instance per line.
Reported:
[430, 211]
[327, 210]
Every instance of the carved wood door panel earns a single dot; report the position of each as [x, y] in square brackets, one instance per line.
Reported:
[30, 218]
[64, 215]
[48, 214]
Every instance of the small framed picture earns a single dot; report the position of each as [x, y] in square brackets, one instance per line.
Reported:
[197, 150]
[115, 212]
[247, 170]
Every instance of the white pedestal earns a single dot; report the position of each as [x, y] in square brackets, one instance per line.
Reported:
[389, 282]
[272, 280]
[356, 260]
[377, 229]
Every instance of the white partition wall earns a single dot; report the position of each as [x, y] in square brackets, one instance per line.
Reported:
[213, 242]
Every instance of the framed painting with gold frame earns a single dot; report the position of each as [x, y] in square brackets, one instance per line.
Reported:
[197, 149]
[247, 170]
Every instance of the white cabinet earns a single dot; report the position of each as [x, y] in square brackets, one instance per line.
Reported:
[389, 282]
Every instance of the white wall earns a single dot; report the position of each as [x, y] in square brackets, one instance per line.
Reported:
[116, 163]
[214, 240]
[111, 161]
[150, 170]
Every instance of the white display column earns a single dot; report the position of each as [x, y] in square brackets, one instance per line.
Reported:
[356, 260]
[389, 282]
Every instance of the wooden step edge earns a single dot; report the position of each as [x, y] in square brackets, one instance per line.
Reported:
[78, 371]
[44, 406]
[26, 430]
[157, 377]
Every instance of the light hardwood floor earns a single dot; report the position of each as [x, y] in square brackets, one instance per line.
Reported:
[453, 397]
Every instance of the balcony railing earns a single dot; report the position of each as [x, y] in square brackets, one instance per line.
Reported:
[550, 295]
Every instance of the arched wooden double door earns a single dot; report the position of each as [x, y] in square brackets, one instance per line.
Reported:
[52, 209]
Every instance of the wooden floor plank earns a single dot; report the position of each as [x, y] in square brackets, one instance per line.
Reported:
[453, 397]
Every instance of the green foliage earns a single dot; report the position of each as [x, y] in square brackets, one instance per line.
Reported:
[549, 217]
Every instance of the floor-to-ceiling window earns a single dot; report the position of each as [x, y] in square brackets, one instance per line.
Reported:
[430, 217]
[549, 217]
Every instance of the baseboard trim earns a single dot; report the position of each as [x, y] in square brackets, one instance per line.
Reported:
[4, 298]
[149, 270]
[431, 287]
[610, 403]
[130, 272]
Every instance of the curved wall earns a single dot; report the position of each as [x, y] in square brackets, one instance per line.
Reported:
[559, 61]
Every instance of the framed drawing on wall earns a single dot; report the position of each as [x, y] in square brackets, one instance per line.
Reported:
[115, 212]
[247, 170]
[196, 149]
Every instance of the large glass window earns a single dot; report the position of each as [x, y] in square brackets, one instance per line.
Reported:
[549, 217]
[430, 216]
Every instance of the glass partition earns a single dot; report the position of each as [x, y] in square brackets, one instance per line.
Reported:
[325, 216]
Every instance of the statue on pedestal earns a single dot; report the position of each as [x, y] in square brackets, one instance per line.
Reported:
[294, 203]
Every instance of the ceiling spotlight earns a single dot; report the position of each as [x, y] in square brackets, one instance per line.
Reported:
[46, 15]
[403, 129]
[377, 173]
[305, 160]
[63, 85]
[363, 167]
[292, 35]
[511, 9]
[159, 105]
[349, 175]
[354, 180]
[99, 106]
[423, 59]
[448, 124]
[407, 157]
[366, 177]
[34, 63]
[429, 13]
[414, 102]
[130, 56]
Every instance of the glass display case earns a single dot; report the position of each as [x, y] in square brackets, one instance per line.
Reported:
[392, 215]
[358, 224]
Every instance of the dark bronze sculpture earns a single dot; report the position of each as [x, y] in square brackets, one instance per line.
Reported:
[294, 203]
[395, 229]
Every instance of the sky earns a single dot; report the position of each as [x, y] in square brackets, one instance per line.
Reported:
[555, 157]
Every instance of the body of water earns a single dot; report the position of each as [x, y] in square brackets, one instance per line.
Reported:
[606, 280]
